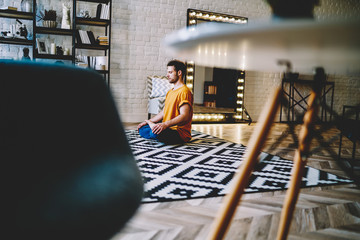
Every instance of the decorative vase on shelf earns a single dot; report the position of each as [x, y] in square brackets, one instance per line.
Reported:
[66, 22]
[26, 5]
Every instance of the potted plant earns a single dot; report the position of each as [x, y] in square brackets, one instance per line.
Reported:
[49, 19]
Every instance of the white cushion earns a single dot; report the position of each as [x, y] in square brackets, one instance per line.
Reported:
[160, 87]
[156, 105]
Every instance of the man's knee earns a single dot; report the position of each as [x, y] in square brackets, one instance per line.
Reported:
[146, 132]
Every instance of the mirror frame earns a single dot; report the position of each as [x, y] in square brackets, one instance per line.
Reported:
[193, 16]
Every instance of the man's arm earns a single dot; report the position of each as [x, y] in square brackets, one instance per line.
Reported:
[157, 118]
[182, 119]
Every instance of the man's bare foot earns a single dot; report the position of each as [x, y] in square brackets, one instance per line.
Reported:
[150, 123]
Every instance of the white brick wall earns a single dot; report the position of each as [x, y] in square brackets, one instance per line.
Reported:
[138, 28]
[337, 8]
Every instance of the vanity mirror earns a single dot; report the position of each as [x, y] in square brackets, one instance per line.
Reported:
[218, 92]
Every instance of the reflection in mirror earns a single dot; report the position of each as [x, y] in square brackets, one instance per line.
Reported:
[218, 93]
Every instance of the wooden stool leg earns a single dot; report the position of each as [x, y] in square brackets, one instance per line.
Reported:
[299, 164]
[241, 178]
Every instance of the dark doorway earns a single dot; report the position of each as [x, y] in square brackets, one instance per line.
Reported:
[226, 81]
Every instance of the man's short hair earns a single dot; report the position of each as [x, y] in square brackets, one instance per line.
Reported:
[178, 66]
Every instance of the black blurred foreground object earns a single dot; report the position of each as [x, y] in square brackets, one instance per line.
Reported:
[66, 166]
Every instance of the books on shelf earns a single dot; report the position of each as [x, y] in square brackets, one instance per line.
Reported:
[95, 62]
[211, 89]
[103, 40]
[91, 37]
[85, 37]
[103, 11]
[77, 36]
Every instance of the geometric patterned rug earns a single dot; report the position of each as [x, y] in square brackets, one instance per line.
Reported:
[204, 167]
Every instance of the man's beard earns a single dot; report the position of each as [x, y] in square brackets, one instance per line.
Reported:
[173, 80]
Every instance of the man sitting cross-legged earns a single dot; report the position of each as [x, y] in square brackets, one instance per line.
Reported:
[173, 124]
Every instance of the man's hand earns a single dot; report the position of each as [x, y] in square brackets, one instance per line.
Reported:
[141, 125]
[159, 127]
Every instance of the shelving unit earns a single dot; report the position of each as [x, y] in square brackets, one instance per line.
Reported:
[49, 31]
[15, 15]
[76, 21]
[210, 90]
[94, 22]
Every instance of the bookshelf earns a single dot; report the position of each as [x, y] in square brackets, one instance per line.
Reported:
[39, 30]
[102, 20]
[85, 40]
[210, 90]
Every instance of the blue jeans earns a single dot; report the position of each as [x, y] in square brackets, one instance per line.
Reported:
[146, 132]
[167, 136]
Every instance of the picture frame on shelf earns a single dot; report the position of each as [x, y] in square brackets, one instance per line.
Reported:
[41, 46]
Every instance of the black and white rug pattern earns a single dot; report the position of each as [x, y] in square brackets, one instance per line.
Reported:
[205, 166]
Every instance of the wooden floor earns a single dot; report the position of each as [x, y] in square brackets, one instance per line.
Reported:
[331, 212]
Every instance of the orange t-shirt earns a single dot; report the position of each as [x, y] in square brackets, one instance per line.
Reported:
[173, 101]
